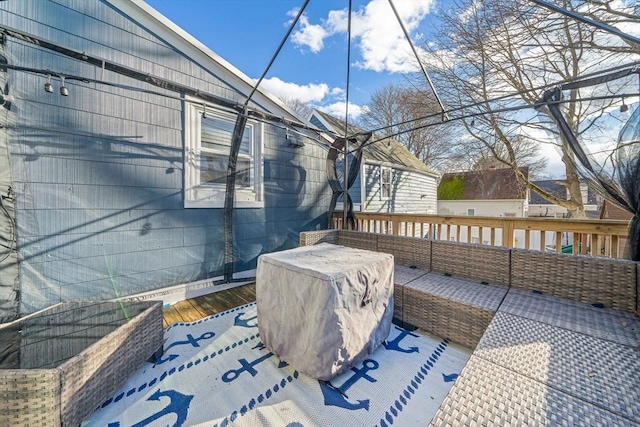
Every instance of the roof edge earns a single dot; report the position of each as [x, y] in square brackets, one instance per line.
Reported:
[432, 174]
[146, 15]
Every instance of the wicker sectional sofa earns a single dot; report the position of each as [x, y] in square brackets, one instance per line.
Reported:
[555, 337]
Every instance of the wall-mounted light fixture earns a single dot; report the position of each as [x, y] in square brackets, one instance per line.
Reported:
[293, 140]
[48, 87]
[63, 89]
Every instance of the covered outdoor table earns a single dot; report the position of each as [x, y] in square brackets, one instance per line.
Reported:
[324, 308]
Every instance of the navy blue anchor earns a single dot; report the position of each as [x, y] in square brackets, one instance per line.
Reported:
[336, 396]
[449, 378]
[244, 322]
[233, 374]
[395, 344]
[178, 404]
[190, 340]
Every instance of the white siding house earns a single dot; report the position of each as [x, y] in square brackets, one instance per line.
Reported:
[492, 192]
[391, 179]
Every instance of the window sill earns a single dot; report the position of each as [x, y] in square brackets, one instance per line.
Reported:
[219, 204]
[215, 199]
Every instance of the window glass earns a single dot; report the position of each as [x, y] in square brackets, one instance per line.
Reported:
[213, 170]
[386, 182]
[217, 134]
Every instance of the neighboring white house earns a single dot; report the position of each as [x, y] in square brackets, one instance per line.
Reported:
[391, 179]
[488, 193]
[543, 208]
[492, 192]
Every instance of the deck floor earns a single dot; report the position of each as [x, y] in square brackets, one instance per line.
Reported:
[200, 307]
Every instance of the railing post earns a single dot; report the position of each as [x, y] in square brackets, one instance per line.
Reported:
[507, 234]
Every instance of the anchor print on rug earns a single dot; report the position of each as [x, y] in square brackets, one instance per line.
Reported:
[449, 378]
[245, 322]
[178, 405]
[394, 344]
[337, 396]
[249, 367]
[190, 340]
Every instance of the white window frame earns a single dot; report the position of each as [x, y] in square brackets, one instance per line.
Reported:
[384, 169]
[207, 195]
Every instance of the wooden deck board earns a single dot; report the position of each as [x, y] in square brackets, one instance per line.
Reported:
[206, 305]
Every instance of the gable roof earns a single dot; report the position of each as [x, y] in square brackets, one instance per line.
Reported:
[493, 184]
[554, 187]
[388, 151]
[152, 20]
[551, 186]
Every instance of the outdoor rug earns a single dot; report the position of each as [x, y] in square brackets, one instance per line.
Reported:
[216, 372]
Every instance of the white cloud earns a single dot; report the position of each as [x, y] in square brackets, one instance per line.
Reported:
[309, 35]
[468, 13]
[317, 95]
[312, 92]
[376, 32]
[337, 109]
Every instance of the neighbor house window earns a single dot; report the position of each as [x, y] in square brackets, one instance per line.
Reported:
[385, 183]
[471, 212]
[208, 143]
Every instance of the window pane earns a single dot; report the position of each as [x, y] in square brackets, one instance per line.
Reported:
[217, 133]
[213, 170]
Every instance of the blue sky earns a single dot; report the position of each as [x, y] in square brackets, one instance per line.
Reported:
[312, 66]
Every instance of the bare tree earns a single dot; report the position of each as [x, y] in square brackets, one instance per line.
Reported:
[400, 112]
[302, 108]
[487, 49]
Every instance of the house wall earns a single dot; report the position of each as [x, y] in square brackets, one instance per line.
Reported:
[99, 174]
[411, 192]
[495, 208]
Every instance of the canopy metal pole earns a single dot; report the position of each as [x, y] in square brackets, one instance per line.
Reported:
[345, 177]
[236, 141]
[608, 28]
[415, 52]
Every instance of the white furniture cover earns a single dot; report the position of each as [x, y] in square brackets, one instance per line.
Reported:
[324, 308]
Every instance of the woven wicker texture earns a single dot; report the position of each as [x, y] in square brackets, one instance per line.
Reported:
[611, 282]
[600, 372]
[464, 291]
[407, 251]
[92, 348]
[30, 397]
[482, 263]
[358, 240]
[308, 238]
[605, 323]
[401, 276]
[638, 289]
[486, 394]
[97, 372]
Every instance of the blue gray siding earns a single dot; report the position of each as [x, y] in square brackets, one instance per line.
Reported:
[99, 174]
[411, 192]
